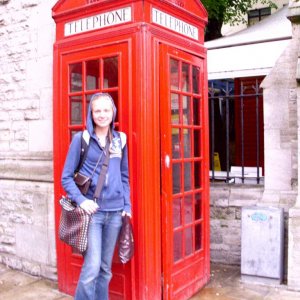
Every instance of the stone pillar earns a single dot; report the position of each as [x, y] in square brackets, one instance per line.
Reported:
[294, 212]
[280, 130]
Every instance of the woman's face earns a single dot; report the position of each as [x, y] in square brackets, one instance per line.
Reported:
[102, 112]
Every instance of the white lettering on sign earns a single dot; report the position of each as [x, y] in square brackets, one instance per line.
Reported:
[106, 19]
[172, 23]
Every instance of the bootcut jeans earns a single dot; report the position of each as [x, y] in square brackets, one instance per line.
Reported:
[96, 272]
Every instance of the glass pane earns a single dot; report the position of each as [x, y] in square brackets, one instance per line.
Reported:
[175, 143]
[187, 176]
[76, 110]
[197, 173]
[198, 235]
[176, 178]
[110, 72]
[174, 74]
[198, 206]
[187, 143]
[176, 212]
[188, 241]
[196, 110]
[186, 106]
[175, 108]
[196, 79]
[75, 71]
[92, 75]
[177, 243]
[197, 143]
[188, 209]
[185, 85]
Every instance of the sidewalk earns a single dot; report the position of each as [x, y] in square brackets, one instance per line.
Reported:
[15, 285]
[225, 284]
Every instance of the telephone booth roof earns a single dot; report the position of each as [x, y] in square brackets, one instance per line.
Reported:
[195, 7]
[189, 11]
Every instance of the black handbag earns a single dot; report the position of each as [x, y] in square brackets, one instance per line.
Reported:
[126, 241]
[74, 221]
[83, 182]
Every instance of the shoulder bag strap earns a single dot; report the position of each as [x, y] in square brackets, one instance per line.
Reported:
[101, 178]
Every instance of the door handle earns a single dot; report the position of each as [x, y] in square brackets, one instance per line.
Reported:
[167, 161]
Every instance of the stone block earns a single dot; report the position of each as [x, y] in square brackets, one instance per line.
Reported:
[16, 115]
[31, 115]
[245, 194]
[4, 146]
[27, 169]
[271, 139]
[32, 243]
[233, 239]
[31, 268]
[221, 202]
[276, 114]
[29, 3]
[7, 240]
[216, 238]
[278, 175]
[11, 261]
[40, 136]
[221, 213]
[49, 272]
[45, 41]
[40, 210]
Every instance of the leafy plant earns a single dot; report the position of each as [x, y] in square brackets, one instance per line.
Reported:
[228, 12]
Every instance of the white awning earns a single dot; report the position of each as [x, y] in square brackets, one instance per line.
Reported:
[244, 61]
[252, 51]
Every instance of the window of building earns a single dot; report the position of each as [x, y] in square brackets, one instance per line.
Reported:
[256, 15]
[236, 130]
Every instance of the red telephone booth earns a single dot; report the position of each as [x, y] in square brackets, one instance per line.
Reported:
[149, 56]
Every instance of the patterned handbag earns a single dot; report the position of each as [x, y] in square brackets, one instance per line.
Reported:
[73, 226]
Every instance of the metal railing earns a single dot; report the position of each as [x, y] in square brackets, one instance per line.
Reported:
[236, 130]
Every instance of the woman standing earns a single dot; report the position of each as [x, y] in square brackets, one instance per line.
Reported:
[114, 200]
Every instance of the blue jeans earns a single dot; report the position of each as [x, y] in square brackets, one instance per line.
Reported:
[96, 272]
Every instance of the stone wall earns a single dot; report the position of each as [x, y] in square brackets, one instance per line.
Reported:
[226, 202]
[27, 240]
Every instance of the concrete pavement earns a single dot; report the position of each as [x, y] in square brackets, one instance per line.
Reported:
[225, 284]
[15, 285]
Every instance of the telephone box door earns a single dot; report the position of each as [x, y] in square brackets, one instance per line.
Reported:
[83, 73]
[184, 197]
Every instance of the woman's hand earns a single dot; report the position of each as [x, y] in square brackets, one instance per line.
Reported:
[125, 213]
[89, 206]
